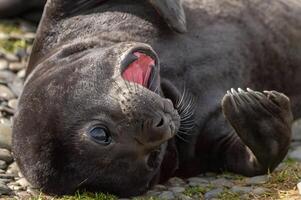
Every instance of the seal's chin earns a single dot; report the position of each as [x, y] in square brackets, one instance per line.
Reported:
[141, 69]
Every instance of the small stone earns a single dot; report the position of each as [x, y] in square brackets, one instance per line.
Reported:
[299, 187]
[23, 182]
[20, 174]
[33, 192]
[5, 136]
[7, 176]
[15, 187]
[3, 64]
[177, 190]
[29, 36]
[280, 167]
[184, 197]
[296, 154]
[3, 165]
[21, 73]
[159, 187]
[13, 169]
[16, 66]
[13, 103]
[11, 57]
[4, 189]
[5, 155]
[241, 190]
[196, 181]
[16, 86]
[259, 191]
[24, 195]
[6, 76]
[153, 193]
[175, 181]
[296, 130]
[167, 195]
[222, 182]
[257, 180]
[213, 193]
[5, 93]
[5, 121]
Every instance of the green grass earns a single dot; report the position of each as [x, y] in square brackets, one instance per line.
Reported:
[12, 45]
[8, 27]
[228, 195]
[196, 191]
[79, 196]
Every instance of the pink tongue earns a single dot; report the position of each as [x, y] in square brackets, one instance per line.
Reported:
[140, 70]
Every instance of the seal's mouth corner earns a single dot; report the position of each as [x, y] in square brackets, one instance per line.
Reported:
[140, 66]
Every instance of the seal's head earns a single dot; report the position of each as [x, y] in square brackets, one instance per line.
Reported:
[94, 118]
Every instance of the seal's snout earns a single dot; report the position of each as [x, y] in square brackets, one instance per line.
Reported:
[157, 130]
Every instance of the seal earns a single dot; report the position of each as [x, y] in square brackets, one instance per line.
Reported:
[121, 95]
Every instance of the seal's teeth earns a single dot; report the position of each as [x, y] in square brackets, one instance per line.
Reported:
[229, 93]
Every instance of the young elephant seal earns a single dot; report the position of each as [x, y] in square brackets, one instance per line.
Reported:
[100, 112]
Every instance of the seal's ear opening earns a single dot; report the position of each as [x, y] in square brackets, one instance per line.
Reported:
[173, 13]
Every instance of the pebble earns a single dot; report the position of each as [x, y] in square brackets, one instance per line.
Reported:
[160, 187]
[296, 154]
[6, 176]
[166, 195]
[175, 181]
[13, 103]
[4, 189]
[299, 187]
[222, 182]
[13, 169]
[184, 197]
[11, 57]
[5, 93]
[5, 136]
[259, 191]
[6, 156]
[3, 64]
[24, 195]
[241, 189]
[16, 86]
[296, 130]
[177, 190]
[3, 164]
[257, 180]
[196, 181]
[6, 76]
[213, 193]
[5, 121]
[16, 66]
[153, 193]
[21, 73]
[23, 182]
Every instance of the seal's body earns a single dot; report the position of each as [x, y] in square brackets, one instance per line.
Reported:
[96, 113]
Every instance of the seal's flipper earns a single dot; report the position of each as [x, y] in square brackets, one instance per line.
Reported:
[173, 13]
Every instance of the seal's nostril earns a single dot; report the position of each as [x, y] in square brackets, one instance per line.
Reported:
[161, 122]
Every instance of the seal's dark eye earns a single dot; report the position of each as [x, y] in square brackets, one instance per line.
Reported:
[100, 135]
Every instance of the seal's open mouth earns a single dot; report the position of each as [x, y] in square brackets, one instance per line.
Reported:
[141, 70]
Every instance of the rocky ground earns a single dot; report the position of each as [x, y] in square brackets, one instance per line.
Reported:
[16, 38]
